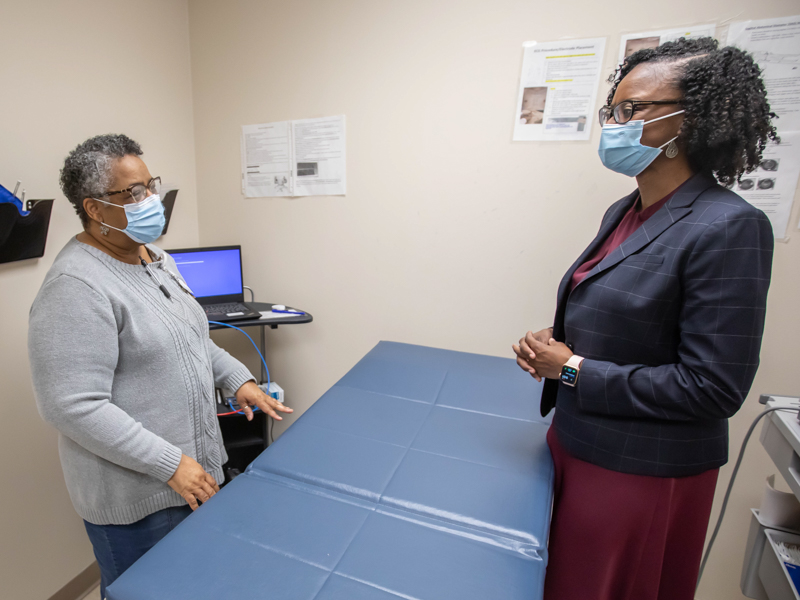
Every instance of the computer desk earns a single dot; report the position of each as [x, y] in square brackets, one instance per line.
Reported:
[245, 440]
[263, 323]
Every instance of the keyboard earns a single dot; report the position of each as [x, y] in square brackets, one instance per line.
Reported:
[224, 309]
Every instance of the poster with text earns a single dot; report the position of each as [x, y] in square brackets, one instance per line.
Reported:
[632, 42]
[558, 90]
[294, 158]
[775, 45]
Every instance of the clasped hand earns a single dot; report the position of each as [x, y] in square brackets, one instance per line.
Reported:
[540, 355]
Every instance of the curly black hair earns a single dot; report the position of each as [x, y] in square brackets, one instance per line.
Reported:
[87, 169]
[728, 121]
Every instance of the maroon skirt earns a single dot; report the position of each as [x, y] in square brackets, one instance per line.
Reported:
[616, 536]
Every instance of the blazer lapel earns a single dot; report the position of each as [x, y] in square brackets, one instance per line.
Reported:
[673, 211]
[609, 224]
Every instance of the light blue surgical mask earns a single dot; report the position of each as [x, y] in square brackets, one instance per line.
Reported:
[621, 148]
[145, 219]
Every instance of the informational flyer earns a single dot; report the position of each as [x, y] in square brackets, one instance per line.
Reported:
[294, 158]
[771, 187]
[558, 90]
[631, 42]
[319, 153]
[775, 45]
[266, 159]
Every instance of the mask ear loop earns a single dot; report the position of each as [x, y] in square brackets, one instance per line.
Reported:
[668, 142]
[664, 117]
[104, 229]
[672, 147]
[104, 226]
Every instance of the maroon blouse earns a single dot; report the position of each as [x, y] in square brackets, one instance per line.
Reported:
[632, 220]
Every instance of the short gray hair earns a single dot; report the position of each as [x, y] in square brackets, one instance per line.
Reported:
[87, 169]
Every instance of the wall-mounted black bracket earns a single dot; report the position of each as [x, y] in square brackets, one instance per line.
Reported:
[24, 237]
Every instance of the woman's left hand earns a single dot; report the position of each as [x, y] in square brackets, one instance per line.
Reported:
[250, 395]
[547, 359]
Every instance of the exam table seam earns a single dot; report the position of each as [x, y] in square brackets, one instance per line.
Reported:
[508, 542]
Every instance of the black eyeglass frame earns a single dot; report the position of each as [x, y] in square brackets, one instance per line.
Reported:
[606, 111]
[150, 186]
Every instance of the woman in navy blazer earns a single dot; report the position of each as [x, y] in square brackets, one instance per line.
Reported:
[658, 327]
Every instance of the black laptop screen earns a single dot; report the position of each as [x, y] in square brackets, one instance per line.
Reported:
[212, 273]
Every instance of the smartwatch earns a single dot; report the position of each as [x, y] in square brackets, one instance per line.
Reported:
[571, 370]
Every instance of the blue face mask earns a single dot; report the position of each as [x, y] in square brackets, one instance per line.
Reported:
[621, 148]
[145, 219]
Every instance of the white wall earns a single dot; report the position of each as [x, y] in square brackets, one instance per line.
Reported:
[71, 70]
[451, 234]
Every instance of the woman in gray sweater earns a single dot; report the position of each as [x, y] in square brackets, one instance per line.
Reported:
[123, 365]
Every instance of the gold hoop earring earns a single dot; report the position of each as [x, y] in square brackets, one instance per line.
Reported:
[103, 228]
[672, 150]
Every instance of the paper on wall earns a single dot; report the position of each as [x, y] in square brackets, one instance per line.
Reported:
[267, 159]
[772, 185]
[631, 42]
[319, 153]
[294, 158]
[775, 45]
[558, 90]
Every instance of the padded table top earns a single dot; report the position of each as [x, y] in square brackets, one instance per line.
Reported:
[422, 474]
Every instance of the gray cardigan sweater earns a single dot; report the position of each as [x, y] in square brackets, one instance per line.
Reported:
[127, 377]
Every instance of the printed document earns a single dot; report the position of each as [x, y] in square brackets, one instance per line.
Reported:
[558, 90]
[775, 45]
[294, 158]
[631, 42]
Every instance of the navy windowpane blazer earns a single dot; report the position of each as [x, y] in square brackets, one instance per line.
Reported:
[670, 324]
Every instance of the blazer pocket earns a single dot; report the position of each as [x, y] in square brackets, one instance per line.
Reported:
[650, 259]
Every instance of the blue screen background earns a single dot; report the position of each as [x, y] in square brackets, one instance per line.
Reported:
[212, 273]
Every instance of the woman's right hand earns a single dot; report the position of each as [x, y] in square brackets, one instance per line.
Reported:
[192, 482]
[525, 354]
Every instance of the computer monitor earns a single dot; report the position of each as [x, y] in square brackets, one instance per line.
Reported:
[213, 273]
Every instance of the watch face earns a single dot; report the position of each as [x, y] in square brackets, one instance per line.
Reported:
[569, 375]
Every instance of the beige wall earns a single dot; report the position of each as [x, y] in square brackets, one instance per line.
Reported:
[451, 234]
[70, 70]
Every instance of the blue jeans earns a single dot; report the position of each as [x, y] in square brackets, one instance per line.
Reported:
[117, 547]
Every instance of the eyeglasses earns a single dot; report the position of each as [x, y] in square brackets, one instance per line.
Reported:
[623, 112]
[138, 191]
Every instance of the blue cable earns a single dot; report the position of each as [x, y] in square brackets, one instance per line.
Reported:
[239, 411]
[263, 362]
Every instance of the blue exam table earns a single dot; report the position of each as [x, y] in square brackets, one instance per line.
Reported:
[422, 474]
